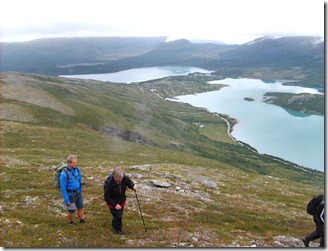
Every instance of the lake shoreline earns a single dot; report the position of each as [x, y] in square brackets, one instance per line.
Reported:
[256, 120]
[283, 161]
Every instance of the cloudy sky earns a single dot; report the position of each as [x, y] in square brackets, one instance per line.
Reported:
[228, 21]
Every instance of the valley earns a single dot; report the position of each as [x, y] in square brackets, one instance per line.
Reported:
[217, 192]
[220, 194]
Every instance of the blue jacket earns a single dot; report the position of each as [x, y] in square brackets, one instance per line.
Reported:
[68, 188]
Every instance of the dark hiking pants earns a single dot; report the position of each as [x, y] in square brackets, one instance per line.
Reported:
[117, 219]
[318, 233]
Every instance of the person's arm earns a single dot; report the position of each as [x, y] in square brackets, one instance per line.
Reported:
[130, 183]
[108, 197]
[63, 185]
[80, 174]
[80, 177]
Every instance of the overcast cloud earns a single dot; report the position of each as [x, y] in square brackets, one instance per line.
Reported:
[229, 21]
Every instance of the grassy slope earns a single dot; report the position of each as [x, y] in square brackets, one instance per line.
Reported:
[45, 119]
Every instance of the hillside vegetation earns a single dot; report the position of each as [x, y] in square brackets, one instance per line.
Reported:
[197, 187]
[304, 102]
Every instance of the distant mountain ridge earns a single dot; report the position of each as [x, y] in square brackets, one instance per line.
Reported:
[45, 55]
[288, 51]
[104, 55]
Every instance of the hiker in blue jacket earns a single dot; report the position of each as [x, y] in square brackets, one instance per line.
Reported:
[71, 189]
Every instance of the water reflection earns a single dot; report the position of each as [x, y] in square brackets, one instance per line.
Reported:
[297, 114]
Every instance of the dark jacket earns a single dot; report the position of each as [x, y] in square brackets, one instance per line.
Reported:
[115, 193]
[317, 217]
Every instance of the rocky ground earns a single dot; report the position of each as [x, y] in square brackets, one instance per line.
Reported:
[172, 197]
[170, 183]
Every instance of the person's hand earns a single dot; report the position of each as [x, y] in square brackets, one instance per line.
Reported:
[118, 207]
[134, 187]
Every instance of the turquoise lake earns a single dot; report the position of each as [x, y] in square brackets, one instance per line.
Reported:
[140, 74]
[270, 129]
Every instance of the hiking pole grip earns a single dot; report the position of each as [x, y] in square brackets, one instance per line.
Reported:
[143, 221]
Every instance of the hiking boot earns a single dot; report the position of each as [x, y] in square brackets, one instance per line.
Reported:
[306, 242]
[72, 223]
[83, 221]
[120, 232]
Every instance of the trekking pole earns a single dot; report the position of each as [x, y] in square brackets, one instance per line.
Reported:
[140, 211]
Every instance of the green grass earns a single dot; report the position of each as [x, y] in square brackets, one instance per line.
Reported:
[264, 210]
[247, 204]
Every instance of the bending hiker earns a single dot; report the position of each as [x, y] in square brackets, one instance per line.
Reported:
[71, 189]
[114, 195]
[316, 208]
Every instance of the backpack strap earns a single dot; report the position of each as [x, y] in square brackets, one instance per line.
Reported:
[79, 173]
[322, 216]
[66, 171]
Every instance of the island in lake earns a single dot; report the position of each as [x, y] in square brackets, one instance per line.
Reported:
[249, 99]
